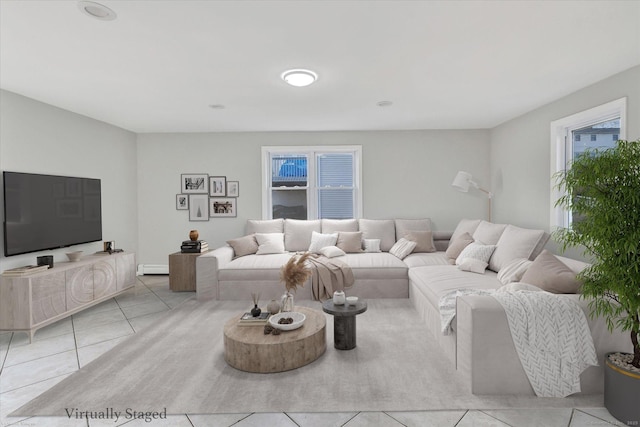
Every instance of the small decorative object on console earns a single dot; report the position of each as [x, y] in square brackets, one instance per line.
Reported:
[74, 256]
[193, 235]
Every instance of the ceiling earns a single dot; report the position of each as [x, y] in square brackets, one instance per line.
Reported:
[443, 64]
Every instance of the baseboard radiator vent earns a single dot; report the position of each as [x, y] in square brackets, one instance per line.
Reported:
[152, 269]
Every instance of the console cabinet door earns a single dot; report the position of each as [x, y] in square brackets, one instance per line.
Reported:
[126, 271]
[79, 286]
[104, 278]
[47, 297]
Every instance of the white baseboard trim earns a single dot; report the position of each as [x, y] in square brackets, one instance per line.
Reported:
[152, 269]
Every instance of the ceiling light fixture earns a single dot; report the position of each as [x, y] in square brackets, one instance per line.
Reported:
[384, 104]
[216, 106]
[97, 10]
[299, 77]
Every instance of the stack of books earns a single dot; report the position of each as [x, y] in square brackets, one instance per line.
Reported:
[194, 246]
[248, 319]
[24, 271]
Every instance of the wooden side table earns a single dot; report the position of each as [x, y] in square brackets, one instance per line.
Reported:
[344, 322]
[182, 271]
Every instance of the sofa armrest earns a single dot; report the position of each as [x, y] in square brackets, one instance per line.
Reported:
[486, 356]
[207, 266]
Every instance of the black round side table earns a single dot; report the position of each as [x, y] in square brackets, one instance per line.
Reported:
[344, 322]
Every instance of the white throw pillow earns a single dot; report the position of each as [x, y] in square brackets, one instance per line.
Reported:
[402, 248]
[473, 265]
[297, 233]
[332, 251]
[514, 270]
[270, 243]
[488, 232]
[371, 245]
[516, 242]
[319, 241]
[383, 229]
[464, 226]
[477, 251]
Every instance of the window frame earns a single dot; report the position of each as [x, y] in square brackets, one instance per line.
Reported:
[561, 147]
[312, 188]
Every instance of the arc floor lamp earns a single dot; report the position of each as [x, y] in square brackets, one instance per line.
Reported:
[463, 180]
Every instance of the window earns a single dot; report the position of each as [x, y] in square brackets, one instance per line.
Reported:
[311, 182]
[604, 125]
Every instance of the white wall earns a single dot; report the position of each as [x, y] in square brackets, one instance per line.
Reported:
[520, 149]
[39, 138]
[405, 174]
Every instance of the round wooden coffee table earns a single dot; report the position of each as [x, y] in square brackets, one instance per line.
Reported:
[247, 348]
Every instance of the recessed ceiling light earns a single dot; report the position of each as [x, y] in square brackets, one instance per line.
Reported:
[384, 104]
[299, 77]
[216, 106]
[97, 10]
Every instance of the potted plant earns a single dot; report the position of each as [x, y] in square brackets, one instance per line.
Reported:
[603, 193]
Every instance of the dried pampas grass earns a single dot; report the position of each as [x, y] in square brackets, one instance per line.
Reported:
[294, 273]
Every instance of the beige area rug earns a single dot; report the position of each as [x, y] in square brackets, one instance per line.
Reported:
[178, 364]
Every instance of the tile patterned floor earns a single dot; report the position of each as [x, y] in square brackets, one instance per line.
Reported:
[64, 347]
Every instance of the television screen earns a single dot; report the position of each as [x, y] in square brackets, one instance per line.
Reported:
[43, 212]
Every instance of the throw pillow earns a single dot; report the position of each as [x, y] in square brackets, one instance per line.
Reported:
[516, 242]
[513, 271]
[242, 246]
[464, 226]
[552, 275]
[270, 243]
[488, 232]
[332, 251]
[477, 251]
[456, 246]
[350, 241]
[423, 239]
[383, 229]
[319, 241]
[371, 245]
[402, 248]
[336, 225]
[473, 265]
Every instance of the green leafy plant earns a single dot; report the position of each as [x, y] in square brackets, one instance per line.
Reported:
[603, 192]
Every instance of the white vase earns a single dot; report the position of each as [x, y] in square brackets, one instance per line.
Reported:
[339, 298]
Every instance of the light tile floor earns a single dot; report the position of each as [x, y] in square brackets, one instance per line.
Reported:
[64, 347]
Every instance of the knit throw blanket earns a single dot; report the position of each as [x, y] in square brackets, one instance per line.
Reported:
[550, 333]
[328, 275]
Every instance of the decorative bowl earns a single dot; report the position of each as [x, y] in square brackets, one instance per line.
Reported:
[352, 300]
[74, 256]
[298, 320]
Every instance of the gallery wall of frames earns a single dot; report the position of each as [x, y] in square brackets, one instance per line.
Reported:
[207, 196]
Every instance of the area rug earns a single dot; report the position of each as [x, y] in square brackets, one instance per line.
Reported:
[177, 365]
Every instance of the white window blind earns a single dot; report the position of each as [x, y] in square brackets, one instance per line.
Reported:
[335, 185]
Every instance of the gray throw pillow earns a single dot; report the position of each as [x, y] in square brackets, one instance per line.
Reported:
[242, 246]
[552, 275]
[350, 241]
[457, 245]
[423, 239]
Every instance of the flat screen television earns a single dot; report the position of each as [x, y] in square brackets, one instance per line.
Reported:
[43, 212]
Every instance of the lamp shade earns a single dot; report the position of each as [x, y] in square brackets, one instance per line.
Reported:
[461, 181]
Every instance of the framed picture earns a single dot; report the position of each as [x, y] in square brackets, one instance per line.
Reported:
[217, 186]
[233, 189]
[220, 207]
[182, 202]
[198, 207]
[194, 183]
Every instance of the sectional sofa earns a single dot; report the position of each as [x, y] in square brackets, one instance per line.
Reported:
[405, 258]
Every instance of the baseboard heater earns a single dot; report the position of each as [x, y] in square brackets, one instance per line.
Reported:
[152, 269]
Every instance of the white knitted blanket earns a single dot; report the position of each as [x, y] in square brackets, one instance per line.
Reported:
[550, 333]
[552, 338]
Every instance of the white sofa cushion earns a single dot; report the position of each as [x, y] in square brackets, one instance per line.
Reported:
[371, 245]
[476, 251]
[514, 270]
[383, 229]
[336, 225]
[426, 258]
[404, 226]
[332, 251]
[488, 232]
[264, 226]
[516, 242]
[319, 241]
[270, 243]
[297, 233]
[473, 265]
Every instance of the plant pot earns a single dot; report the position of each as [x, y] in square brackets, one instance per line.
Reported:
[621, 391]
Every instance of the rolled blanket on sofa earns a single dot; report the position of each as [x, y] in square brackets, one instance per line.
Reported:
[328, 275]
